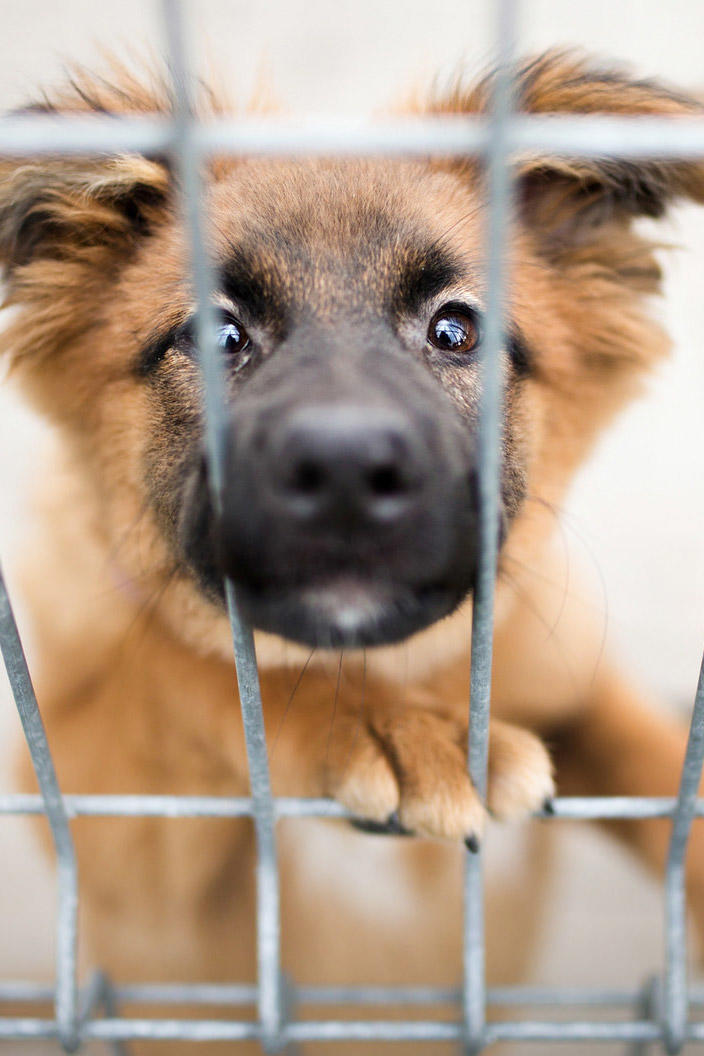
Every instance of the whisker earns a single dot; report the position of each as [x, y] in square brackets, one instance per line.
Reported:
[363, 702]
[290, 701]
[361, 714]
[525, 597]
[541, 577]
[114, 552]
[566, 520]
[150, 603]
[453, 226]
[334, 705]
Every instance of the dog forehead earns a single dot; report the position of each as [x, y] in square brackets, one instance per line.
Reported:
[322, 233]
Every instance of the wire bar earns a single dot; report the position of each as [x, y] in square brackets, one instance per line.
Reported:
[565, 808]
[67, 871]
[504, 997]
[675, 988]
[347, 1030]
[634, 137]
[489, 442]
[183, 147]
[270, 1000]
[648, 1007]
[99, 993]
[268, 912]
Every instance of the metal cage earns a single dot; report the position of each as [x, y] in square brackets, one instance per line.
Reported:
[661, 1012]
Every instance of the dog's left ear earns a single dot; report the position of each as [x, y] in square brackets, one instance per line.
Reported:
[564, 199]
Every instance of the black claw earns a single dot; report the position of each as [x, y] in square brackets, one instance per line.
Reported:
[549, 807]
[375, 828]
[391, 827]
[394, 826]
[472, 844]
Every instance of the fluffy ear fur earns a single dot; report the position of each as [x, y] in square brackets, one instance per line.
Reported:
[560, 196]
[64, 209]
[70, 209]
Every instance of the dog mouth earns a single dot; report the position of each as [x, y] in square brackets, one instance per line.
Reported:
[346, 611]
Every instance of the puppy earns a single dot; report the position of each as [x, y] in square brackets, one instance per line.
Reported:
[349, 299]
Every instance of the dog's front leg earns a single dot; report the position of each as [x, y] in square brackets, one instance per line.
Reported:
[619, 746]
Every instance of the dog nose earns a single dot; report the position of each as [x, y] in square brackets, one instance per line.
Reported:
[346, 462]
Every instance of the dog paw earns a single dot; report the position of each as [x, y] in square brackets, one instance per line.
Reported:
[520, 779]
[405, 771]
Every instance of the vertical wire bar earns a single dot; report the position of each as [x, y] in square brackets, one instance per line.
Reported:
[271, 1001]
[676, 1003]
[270, 1004]
[66, 999]
[99, 994]
[489, 444]
[185, 149]
[647, 1009]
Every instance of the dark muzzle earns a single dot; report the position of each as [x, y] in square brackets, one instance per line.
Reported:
[348, 515]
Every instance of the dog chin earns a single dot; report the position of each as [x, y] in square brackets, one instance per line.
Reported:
[347, 613]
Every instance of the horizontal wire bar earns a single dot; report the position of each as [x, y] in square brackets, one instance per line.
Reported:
[565, 808]
[576, 135]
[374, 1030]
[639, 1030]
[246, 993]
[344, 1030]
[172, 1030]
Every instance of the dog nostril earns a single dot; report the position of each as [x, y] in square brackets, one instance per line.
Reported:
[384, 481]
[308, 478]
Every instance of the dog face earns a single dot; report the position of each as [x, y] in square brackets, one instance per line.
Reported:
[349, 301]
[351, 335]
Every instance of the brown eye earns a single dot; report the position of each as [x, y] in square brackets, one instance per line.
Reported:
[232, 337]
[455, 330]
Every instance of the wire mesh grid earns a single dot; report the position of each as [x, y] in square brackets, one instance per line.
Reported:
[662, 1009]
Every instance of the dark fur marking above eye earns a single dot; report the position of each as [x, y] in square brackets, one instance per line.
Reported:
[423, 276]
[152, 354]
[250, 287]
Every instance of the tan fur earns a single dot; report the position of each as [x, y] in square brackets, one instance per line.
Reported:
[134, 669]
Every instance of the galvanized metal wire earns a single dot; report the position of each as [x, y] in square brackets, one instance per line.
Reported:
[66, 998]
[664, 1007]
[489, 442]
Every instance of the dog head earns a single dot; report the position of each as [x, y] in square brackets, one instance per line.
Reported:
[349, 300]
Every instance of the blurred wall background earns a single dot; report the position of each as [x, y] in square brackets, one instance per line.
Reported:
[636, 515]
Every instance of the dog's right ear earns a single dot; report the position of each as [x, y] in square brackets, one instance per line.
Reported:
[69, 209]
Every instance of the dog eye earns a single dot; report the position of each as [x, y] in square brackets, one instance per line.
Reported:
[232, 337]
[454, 330]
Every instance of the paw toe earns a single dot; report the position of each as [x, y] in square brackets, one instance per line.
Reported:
[368, 786]
[520, 773]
